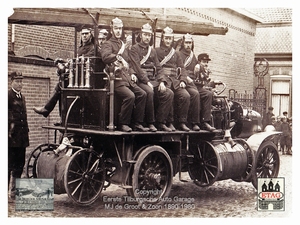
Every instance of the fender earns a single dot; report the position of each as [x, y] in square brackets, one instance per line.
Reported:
[255, 140]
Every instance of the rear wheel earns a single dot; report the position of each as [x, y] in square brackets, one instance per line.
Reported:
[84, 176]
[205, 167]
[31, 169]
[152, 175]
[267, 162]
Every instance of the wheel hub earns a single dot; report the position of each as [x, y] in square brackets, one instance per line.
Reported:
[155, 177]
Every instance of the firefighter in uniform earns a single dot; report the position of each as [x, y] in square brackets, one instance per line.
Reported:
[189, 63]
[149, 73]
[133, 98]
[18, 130]
[174, 78]
[202, 80]
[85, 49]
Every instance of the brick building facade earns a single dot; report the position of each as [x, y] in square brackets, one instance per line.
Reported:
[274, 43]
[34, 48]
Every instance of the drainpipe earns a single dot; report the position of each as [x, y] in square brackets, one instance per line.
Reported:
[13, 37]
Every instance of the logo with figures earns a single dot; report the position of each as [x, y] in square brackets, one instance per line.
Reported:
[270, 194]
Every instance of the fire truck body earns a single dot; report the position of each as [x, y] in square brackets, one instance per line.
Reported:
[88, 153]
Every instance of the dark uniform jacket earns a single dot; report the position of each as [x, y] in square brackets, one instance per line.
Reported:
[109, 51]
[175, 62]
[267, 119]
[285, 129]
[17, 118]
[190, 68]
[138, 51]
[87, 50]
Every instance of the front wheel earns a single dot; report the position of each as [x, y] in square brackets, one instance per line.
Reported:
[267, 162]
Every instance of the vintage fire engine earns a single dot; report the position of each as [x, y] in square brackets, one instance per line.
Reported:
[90, 154]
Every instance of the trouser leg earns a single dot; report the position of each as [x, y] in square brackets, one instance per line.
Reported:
[194, 109]
[206, 97]
[139, 104]
[127, 101]
[16, 162]
[55, 97]
[149, 109]
[182, 101]
[164, 112]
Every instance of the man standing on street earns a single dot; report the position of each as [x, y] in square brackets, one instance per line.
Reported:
[18, 130]
[267, 118]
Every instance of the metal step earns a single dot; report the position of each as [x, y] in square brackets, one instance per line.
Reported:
[125, 186]
[131, 161]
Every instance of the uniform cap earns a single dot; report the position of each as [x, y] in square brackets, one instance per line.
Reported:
[203, 56]
[146, 28]
[86, 30]
[16, 75]
[116, 22]
[188, 37]
[168, 32]
[270, 108]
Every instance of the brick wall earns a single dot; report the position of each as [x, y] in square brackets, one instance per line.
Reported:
[50, 38]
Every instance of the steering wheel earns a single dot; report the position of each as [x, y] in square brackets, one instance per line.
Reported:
[218, 83]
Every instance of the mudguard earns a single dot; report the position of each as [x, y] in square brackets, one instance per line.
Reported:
[255, 140]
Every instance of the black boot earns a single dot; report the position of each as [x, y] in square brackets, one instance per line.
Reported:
[183, 127]
[47, 109]
[208, 127]
[140, 127]
[163, 127]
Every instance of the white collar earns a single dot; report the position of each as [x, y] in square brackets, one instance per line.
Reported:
[17, 92]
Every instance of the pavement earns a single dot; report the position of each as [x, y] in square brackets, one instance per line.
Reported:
[224, 199]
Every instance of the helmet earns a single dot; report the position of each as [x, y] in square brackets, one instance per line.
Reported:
[168, 32]
[188, 37]
[116, 22]
[103, 33]
[146, 28]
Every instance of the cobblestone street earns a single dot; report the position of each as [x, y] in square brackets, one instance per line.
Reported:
[224, 199]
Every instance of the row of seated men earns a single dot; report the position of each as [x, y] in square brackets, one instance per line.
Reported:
[174, 77]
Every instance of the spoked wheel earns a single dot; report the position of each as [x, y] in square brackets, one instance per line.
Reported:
[31, 170]
[206, 164]
[250, 160]
[153, 174]
[84, 176]
[267, 162]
